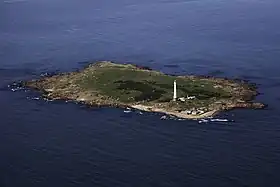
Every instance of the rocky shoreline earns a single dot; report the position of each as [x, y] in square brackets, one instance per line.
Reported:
[110, 84]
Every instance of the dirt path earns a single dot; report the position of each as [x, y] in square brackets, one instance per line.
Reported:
[177, 114]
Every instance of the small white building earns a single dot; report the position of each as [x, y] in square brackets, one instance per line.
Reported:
[182, 99]
[190, 97]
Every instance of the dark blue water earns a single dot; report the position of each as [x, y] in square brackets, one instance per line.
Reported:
[63, 144]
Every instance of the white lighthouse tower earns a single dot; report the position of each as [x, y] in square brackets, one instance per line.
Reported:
[174, 91]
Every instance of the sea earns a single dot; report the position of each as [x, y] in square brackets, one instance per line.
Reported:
[56, 143]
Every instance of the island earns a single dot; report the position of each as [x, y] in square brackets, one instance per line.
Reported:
[126, 85]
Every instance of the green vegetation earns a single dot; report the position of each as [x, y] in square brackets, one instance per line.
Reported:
[128, 83]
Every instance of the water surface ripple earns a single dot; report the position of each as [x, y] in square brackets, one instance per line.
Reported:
[47, 143]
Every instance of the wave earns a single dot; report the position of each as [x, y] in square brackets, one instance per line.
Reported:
[214, 120]
[14, 1]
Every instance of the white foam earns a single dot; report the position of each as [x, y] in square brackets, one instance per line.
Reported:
[48, 100]
[181, 119]
[163, 117]
[16, 89]
[203, 121]
[219, 120]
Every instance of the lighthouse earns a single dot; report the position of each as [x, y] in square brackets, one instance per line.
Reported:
[174, 91]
